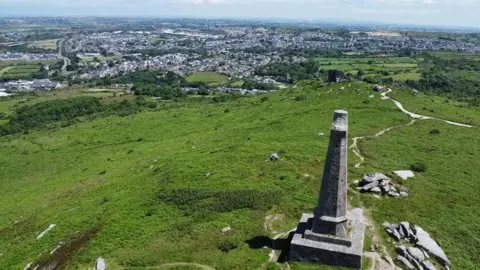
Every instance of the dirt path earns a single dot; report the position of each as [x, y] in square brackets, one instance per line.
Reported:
[356, 150]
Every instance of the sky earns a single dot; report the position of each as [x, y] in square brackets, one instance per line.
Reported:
[418, 12]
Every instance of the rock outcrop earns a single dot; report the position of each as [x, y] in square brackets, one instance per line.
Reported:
[423, 246]
[380, 184]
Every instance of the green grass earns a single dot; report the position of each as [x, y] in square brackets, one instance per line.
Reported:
[399, 65]
[207, 77]
[439, 107]
[237, 83]
[141, 178]
[110, 171]
[444, 199]
[406, 76]
[45, 44]
[371, 65]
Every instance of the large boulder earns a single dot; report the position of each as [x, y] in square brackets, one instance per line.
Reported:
[416, 253]
[378, 88]
[432, 248]
[404, 174]
[274, 156]
[100, 264]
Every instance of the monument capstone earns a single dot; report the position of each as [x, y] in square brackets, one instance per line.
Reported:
[332, 235]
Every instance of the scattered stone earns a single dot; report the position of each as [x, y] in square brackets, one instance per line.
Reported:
[404, 174]
[405, 227]
[378, 88]
[342, 88]
[371, 96]
[208, 174]
[1, 254]
[376, 190]
[47, 230]
[226, 229]
[321, 134]
[393, 194]
[356, 182]
[403, 194]
[427, 265]
[416, 253]
[369, 186]
[405, 262]
[274, 156]
[18, 220]
[100, 264]
[28, 266]
[373, 177]
[393, 233]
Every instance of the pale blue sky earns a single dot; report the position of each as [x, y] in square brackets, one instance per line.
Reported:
[427, 12]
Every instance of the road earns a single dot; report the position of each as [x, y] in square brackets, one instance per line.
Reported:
[66, 61]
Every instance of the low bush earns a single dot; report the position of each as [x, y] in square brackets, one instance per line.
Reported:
[418, 167]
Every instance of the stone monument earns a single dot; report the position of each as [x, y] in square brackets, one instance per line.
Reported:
[332, 235]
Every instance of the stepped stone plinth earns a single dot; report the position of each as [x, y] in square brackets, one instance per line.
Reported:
[331, 234]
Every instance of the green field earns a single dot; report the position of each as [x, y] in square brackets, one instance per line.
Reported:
[101, 58]
[406, 76]
[404, 66]
[50, 44]
[19, 71]
[136, 186]
[207, 77]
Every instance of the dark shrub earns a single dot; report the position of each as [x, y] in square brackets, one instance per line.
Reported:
[434, 131]
[301, 98]
[227, 245]
[418, 167]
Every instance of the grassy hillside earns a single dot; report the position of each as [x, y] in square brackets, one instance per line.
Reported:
[443, 200]
[136, 189]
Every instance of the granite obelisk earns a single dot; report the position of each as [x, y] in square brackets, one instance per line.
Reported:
[332, 235]
[330, 215]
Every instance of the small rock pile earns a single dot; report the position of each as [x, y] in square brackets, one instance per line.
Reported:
[416, 257]
[380, 184]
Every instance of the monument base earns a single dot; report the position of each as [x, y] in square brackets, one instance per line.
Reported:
[330, 250]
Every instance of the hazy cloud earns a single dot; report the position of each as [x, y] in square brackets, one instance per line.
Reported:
[444, 12]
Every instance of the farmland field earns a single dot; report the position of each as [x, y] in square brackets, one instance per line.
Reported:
[207, 77]
[50, 44]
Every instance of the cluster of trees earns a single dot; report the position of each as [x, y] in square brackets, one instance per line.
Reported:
[451, 77]
[250, 84]
[65, 111]
[289, 73]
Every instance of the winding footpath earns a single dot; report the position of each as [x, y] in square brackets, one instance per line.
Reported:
[354, 146]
